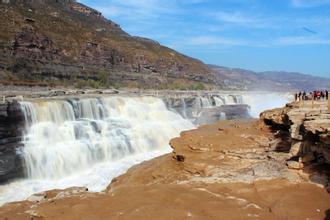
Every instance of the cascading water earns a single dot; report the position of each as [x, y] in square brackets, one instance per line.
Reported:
[230, 100]
[87, 142]
[205, 102]
[218, 101]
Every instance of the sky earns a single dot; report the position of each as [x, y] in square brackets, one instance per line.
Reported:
[259, 35]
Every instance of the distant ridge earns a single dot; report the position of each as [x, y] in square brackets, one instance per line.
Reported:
[236, 78]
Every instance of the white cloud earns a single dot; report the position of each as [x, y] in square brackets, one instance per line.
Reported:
[234, 17]
[166, 22]
[301, 40]
[242, 19]
[215, 41]
[309, 3]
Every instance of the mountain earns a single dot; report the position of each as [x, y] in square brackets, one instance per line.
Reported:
[235, 78]
[63, 42]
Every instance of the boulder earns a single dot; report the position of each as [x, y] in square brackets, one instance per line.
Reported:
[274, 116]
[294, 165]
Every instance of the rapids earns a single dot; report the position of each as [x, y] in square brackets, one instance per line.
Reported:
[89, 141]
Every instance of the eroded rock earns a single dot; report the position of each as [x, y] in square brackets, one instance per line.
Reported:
[294, 165]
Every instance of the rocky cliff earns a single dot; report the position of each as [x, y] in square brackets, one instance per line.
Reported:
[305, 131]
[44, 42]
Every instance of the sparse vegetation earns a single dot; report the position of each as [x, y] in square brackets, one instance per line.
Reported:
[75, 50]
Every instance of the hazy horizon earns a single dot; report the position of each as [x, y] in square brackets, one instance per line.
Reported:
[286, 35]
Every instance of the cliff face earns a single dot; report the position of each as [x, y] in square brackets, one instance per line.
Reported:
[64, 41]
[306, 128]
[11, 128]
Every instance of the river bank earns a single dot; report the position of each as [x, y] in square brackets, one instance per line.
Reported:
[236, 169]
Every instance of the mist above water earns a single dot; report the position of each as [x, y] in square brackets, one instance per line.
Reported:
[264, 101]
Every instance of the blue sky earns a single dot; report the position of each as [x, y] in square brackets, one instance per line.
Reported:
[260, 35]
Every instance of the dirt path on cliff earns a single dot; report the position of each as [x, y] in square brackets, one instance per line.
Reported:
[221, 171]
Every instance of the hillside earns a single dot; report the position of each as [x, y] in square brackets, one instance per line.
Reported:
[235, 78]
[66, 43]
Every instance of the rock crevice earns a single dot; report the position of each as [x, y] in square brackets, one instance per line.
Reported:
[308, 129]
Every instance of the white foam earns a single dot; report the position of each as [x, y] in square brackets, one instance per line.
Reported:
[87, 142]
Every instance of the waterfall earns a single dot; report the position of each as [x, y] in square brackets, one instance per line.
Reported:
[67, 136]
[205, 101]
[89, 141]
[184, 108]
[218, 101]
[229, 100]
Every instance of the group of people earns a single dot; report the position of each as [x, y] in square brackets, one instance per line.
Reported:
[315, 95]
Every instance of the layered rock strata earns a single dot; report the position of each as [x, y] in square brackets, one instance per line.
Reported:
[307, 130]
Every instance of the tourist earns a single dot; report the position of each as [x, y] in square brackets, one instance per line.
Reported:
[314, 95]
[304, 95]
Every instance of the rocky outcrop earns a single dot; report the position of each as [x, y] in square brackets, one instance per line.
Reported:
[29, 43]
[11, 128]
[95, 54]
[307, 129]
[85, 10]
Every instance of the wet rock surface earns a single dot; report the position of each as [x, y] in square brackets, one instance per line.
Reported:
[11, 128]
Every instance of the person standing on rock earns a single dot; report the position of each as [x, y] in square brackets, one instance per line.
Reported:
[326, 94]
[304, 95]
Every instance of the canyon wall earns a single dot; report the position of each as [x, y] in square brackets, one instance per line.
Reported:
[305, 131]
